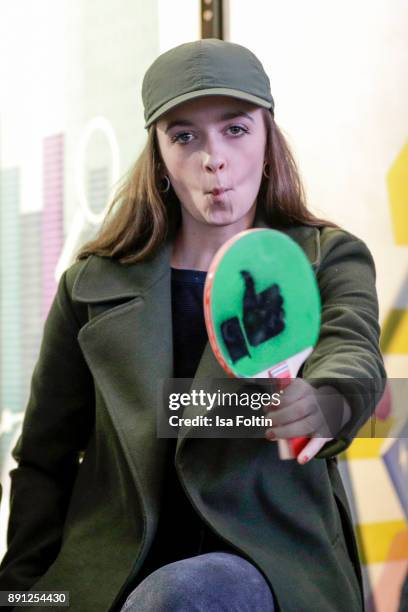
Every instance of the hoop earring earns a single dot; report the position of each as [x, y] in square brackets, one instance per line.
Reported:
[264, 172]
[167, 184]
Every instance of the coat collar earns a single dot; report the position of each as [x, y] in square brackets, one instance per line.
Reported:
[103, 280]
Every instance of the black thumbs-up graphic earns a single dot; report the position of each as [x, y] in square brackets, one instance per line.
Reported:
[234, 339]
[263, 318]
[263, 315]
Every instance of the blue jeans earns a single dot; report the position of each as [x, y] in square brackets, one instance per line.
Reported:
[214, 582]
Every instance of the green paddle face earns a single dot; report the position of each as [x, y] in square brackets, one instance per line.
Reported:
[262, 303]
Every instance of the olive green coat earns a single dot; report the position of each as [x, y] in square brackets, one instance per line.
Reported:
[87, 526]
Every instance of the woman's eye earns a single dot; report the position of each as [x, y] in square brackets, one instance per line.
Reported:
[182, 137]
[237, 130]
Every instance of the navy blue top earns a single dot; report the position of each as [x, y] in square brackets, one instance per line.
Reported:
[181, 533]
[189, 332]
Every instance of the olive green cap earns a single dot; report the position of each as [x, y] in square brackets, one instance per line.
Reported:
[207, 67]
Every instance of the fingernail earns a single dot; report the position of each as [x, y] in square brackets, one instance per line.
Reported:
[304, 459]
[270, 435]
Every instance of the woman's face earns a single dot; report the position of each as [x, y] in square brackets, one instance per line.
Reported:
[213, 149]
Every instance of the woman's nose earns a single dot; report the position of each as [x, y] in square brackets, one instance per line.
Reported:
[213, 155]
[214, 163]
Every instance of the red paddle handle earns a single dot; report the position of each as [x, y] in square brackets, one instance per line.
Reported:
[296, 445]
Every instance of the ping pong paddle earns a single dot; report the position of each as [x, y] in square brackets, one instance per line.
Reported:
[262, 310]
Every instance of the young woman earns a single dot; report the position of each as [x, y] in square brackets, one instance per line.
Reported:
[103, 508]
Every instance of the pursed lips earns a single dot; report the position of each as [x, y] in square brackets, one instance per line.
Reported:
[218, 191]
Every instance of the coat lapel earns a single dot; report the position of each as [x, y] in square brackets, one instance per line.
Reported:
[127, 344]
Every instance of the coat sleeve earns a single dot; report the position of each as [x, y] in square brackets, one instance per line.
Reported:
[347, 355]
[57, 424]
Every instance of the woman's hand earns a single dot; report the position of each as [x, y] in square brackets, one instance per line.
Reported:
[306, 411]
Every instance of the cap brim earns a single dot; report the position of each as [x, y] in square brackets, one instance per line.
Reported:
[215, 91]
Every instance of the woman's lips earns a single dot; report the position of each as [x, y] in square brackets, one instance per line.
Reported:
[217, 191]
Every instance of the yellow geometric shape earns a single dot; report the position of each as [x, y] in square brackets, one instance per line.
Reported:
[379, 542]
[374, 428]
[397, 183]
[394, 336]
[364, 448]
[369, 439]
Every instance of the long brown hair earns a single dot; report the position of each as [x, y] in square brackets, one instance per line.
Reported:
[141, 216]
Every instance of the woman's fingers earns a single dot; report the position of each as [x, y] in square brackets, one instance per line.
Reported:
[306, 426]
[296, 411]
[298, 388]
[311, 449]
